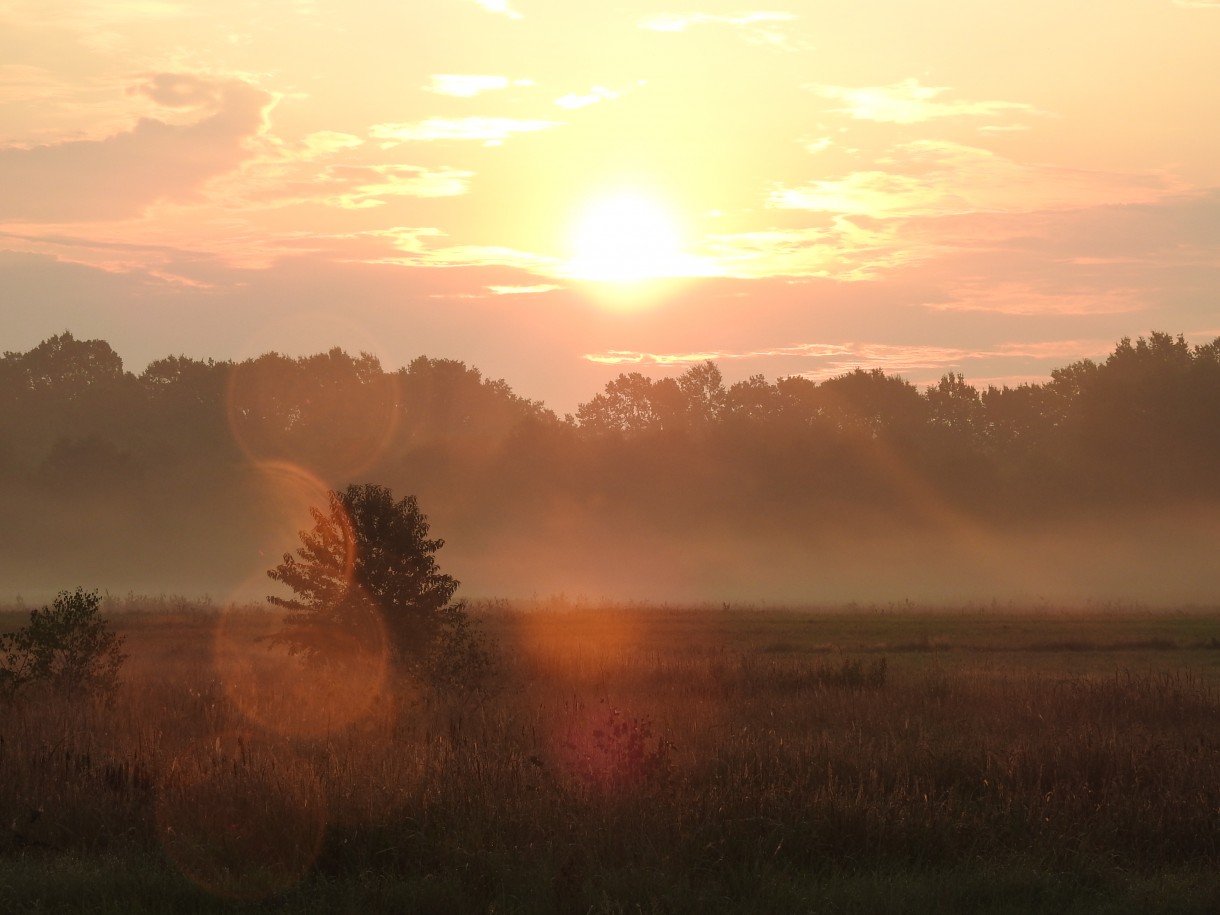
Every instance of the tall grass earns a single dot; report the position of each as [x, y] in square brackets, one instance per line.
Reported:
[613, 768]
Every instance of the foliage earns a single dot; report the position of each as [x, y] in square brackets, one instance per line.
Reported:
[173, 463]
[366, 583]
[67, 647]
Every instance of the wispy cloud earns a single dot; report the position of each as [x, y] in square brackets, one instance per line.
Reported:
[1022, 299]
[630, 357]
[465, 85]
[627, 357]
[499, 6]
[179, 90]
[937, 177]
[680, 22]
[760, 27]
[840, 249]
[488, 130]
[535, 289]
[370, 185]
[924, 361]
[592, 97]
[328, 142]
[908, 102]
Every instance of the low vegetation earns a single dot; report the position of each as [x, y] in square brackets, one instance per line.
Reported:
[636, 760]
[67, 648]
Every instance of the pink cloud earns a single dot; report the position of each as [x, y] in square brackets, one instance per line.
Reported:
[121, 175]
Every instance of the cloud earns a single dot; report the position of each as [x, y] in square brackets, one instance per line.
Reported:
[473, 128]
[1025, 299]
[121, 175]
[758, 27]
[409, 246]
[499, 6]
[835, 359]
[24, 83]
[630, 357]
[626, 357]
[524, 290]
[465, 85]
[592, 97]
[327, 142]
[179, 90]
[929, 361]
[840, 249]
[908, 102]
[366, 186]
[937, 178]
[680, 22]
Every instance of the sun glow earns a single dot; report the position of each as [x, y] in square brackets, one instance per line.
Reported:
[627, 238]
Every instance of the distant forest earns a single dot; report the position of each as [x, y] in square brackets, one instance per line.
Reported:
[113, 470]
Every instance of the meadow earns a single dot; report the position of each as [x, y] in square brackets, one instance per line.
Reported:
[994, 758]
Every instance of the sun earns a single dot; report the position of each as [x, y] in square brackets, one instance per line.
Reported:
[628, 238]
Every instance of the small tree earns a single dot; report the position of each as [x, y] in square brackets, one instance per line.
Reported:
[66, 646]
[368, 567]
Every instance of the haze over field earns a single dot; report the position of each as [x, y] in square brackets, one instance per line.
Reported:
[195, 476]
[553, 191]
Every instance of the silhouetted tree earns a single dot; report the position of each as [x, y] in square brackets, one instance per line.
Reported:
[625, 407]
[368, 567]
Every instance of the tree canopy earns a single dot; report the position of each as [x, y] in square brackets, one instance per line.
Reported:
[96, 460]
[366, 571]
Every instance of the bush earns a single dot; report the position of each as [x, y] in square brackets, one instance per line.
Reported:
[66, 647]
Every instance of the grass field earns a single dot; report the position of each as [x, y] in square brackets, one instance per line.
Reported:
[636, 759]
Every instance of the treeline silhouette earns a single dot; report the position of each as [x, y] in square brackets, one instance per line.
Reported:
[169, 466]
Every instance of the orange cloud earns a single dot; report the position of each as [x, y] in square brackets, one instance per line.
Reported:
[499, 6]
[938, 177]
[907, 102]
[896, 359]
[1022, 299]
[465, 85]
[524, 290]
[592, 97]
[472, 128]
[756, 25]
[180, 90]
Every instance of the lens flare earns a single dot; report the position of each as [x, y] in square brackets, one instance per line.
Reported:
[240, 818]
[285, 494]
[306, 681]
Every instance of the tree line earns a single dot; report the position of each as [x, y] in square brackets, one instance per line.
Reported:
[85, 443]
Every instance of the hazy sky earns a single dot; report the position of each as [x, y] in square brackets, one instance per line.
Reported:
[556, 192]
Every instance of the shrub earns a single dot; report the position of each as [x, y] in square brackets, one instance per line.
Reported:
[66, 646]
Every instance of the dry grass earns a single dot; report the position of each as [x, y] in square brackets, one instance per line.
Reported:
[642, 755]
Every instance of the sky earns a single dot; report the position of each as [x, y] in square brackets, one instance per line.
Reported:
[558, 192]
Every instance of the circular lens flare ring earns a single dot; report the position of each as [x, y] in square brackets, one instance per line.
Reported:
[308, 680]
